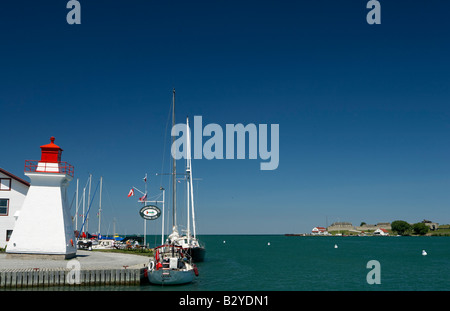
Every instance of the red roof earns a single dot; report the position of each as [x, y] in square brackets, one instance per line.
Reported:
[52, 145]
[319, 229]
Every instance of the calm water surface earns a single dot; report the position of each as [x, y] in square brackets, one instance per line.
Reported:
[291, 263]
[294, 263]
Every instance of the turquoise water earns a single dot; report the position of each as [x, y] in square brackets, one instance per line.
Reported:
[295, 263]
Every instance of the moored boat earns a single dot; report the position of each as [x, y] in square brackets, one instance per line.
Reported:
[190, 244]
[171, 265]
[189, 241]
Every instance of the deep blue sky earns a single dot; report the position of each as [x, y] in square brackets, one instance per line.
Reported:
[363, 109]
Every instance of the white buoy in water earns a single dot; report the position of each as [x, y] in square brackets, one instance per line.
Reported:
[268, 243]
[424, 253]
[224, 242]
[335, 246]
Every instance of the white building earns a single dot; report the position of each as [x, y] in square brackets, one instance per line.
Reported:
[381, 231]
[319, 230]
[13, 190]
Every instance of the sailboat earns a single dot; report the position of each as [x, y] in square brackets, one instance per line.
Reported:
[172, 263]
[189, 242]
[171, 266]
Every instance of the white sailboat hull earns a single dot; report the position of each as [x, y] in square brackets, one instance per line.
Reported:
[173, 277]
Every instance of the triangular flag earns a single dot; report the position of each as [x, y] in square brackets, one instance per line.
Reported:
[131, 193]
[143, 198]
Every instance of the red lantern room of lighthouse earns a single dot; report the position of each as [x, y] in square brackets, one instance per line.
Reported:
[50, 161]
[44, 225]
[51, 152]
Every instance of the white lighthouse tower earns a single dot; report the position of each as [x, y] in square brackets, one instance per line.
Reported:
[44, 226]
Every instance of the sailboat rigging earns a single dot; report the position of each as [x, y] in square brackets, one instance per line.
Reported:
[173, 261]
[189, 241]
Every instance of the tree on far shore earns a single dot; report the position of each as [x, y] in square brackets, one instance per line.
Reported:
[420, 228]
[401, 227]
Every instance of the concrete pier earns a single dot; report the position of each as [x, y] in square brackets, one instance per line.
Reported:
[87, 268]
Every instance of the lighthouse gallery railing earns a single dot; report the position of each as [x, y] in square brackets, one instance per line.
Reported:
[47, 167]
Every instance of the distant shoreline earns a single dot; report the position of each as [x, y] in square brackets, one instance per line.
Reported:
[368, 235]
[283, 234]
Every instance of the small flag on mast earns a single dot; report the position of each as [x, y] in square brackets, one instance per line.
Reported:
[143, 198]
[131, 193]
[145, 178]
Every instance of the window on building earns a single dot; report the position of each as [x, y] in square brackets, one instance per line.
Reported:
[5, 184]
[8, 235]
[4, 204]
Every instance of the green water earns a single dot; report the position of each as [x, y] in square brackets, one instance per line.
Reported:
[293, 263]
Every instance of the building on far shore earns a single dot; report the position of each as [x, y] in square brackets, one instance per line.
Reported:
[364, 228]
[341, 226]
[380, 225]
[432, 225]
[13, 191]
[381, 231]
[319, 231]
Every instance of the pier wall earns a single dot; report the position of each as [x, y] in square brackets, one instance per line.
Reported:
[20, 278]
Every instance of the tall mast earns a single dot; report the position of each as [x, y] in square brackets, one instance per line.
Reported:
[188, 169]
[174, 170]
[162, 226]
[192, 193]
[88, 202]
[84, 205]
[76, 208]
[100, 205]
